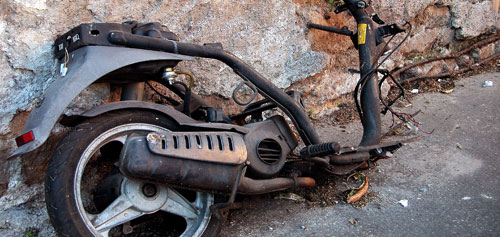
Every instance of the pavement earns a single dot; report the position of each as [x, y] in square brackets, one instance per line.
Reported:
[449, 177]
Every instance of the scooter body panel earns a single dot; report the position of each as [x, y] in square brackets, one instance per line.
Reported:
[85, 66]
[169, 111]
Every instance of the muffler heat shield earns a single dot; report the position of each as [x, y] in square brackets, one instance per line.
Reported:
[206, 161]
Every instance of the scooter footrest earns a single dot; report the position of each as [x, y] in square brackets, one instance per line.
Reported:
[387, 146]
[319, 150]
[353, 155]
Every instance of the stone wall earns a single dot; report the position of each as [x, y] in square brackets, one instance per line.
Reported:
[270, 35]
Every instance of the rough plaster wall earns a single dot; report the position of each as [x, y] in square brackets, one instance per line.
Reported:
[270, 40]
[269, 34]
[263, 33]
[433, 33]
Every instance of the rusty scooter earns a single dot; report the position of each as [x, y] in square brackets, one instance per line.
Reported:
[132, 166]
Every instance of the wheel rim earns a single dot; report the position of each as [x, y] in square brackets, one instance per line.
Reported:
[133, 202]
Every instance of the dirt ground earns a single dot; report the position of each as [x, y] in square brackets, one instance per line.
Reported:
[448, 177]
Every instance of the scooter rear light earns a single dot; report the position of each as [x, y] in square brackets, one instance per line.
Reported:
[25, 138]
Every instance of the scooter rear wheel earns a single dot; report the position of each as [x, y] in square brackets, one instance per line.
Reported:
[87, 196]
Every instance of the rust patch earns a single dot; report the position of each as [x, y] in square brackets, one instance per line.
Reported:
[228, 105]
[329, 42]
[340, 50]
[18, 122]
[114, 93]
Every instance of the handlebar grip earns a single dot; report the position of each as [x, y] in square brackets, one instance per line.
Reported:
[320, 150]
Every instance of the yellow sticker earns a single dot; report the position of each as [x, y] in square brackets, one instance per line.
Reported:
[362, 33]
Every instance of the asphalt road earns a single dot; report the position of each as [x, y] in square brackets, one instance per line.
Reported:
[449, 178]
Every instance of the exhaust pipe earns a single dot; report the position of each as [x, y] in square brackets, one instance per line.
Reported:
[250, 186]
[187, 159]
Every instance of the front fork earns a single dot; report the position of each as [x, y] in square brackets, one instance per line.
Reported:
[366, 42]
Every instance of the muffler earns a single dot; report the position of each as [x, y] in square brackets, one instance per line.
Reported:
[201, 161]
[204, 161]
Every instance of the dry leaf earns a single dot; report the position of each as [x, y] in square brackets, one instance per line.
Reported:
[358, 195]
[447, 91]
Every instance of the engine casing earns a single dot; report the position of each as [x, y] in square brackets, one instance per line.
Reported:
[268, 144]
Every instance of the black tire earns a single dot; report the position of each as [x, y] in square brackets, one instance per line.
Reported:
[60, 179]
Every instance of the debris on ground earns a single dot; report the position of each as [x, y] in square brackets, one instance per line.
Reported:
[459, 146]
[329, 191]
[403, 202]
[402, 129]
[412, 128]
[423, 190]
[414, 91]
[353, 221]
[366, 199]
[466, 198]
[360, 193]
[446, 91]
[486, 196]
[488, 84]
[290, 196]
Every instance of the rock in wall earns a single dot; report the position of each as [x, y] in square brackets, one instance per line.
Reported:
[270, 35]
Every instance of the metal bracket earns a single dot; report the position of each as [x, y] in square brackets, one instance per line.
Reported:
[238, 87]
[388, 30]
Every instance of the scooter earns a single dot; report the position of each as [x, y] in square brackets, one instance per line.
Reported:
[132, 166]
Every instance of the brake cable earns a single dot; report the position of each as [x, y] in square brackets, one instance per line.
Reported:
[363, 80]
[406, 118]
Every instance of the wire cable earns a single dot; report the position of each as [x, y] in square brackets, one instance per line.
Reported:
[362, 81]
[191, 78]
